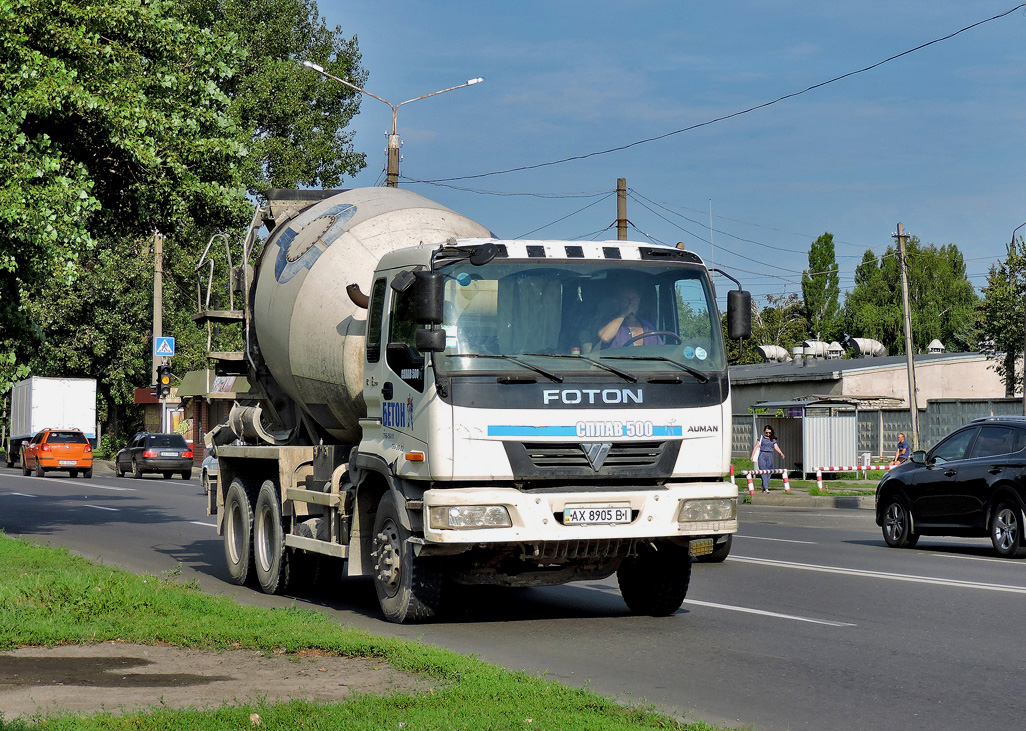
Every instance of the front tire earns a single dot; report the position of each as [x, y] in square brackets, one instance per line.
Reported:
[409, 588]
[270, 557]
[1006, 530]
[238, 532]
[655, 581]
[897, 525]
[24, 466]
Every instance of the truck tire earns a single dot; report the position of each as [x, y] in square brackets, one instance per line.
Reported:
[655, 582]
[271, 560]
[409, 588]
[719, 554]
[238, 532]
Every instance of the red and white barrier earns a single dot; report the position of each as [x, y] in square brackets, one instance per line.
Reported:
[864, 469]
[751, 483]
[732, 476]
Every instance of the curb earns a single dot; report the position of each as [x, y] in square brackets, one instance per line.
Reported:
[843, 502]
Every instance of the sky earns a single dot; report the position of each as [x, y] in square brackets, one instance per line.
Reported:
[933, 139]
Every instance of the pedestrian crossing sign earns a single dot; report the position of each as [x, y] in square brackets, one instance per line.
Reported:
[164, 346]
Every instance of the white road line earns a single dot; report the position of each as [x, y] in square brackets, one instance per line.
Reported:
[882, 575]
[764, 613]
[83, 483]
[102, 507]
[779, 540]
[1003, 561]
[200, 522]
[21, 494]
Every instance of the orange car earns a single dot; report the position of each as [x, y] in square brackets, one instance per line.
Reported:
[58, 449]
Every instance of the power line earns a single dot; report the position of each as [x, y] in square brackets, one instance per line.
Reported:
[607, 195]
[725, 117]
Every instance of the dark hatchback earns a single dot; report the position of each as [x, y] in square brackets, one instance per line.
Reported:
[972, 483]
[168, 454]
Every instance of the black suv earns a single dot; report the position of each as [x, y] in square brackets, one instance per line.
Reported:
[168, 454]
[973, 483]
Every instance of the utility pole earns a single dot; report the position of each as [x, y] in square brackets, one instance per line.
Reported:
[158, 296]
[913, 403]
[621, 209]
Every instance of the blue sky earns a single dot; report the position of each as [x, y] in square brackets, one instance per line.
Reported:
[934, 139]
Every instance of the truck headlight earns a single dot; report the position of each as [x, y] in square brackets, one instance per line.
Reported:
[702, 511]
[469, 516]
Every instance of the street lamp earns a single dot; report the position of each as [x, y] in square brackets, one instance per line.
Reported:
[392, 176]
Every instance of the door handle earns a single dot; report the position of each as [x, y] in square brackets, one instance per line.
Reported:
[950, 473]
[386, 390]
[995, 470]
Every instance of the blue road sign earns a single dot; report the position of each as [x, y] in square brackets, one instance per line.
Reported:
[164, 346]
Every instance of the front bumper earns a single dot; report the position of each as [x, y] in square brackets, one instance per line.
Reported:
[537, 516]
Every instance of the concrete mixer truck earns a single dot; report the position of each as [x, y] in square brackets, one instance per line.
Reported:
[435, 407]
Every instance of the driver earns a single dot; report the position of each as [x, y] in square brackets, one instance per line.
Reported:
[627, 325]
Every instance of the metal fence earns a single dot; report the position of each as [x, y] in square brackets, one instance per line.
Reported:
[878, 429]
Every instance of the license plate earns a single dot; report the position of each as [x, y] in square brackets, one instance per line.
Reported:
[69, 462]
[169, 454]
[596, 514]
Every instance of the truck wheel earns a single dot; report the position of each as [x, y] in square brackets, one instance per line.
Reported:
[270, 558]
[655, 581]
[719, 554]
[238, 532]
[40, 472]
[409, 588]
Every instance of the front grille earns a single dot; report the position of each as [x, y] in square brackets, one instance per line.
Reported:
[563, 460]
[632, 454]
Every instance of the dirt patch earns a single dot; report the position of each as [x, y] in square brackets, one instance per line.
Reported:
[119, 677]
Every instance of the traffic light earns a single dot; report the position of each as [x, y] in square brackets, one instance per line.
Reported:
[163, 381]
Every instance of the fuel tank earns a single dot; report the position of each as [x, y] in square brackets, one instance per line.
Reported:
[310, 335]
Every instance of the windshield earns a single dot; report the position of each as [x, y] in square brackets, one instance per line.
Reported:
[580, 317]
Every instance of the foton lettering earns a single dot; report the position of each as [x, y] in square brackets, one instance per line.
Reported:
[590, 396]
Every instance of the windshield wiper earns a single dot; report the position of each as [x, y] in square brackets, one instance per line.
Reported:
[513, 359]
[625, 375]
[702, 378]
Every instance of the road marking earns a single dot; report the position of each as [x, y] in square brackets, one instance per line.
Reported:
[102, 507]
[779, 540]
[764, 613]
[1003, 561]
[85, 483]
[881, 575]
[200, 522]
[21, 494]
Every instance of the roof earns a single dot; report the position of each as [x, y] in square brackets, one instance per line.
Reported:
[831, 370]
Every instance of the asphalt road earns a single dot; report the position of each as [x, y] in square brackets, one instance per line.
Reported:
[812, 623]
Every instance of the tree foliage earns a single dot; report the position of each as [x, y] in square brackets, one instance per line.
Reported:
[1003, 315]
[821, 290]
[298, 119]
[942, 300]
[138, 116]
[781, 322]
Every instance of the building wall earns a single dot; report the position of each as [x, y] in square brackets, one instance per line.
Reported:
[952, 379]
[746, 395]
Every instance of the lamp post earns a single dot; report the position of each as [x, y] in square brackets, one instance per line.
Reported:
[392, 174]
[1011, 247]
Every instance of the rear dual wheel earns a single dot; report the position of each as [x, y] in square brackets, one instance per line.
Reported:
[271, 560]
[238, 532]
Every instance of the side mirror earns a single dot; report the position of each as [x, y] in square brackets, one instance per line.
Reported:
[919, 456]
[429, 297]
[430, 341]
[739, 314]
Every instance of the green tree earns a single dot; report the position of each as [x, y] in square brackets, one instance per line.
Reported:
[1003, 315]
[821, 290]
[781, 322]
[112, 124]
[943, 301]
[297, 118]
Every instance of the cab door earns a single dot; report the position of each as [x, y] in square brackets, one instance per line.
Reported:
[402, 389]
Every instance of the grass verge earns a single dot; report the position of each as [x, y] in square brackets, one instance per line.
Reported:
[50, 597]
